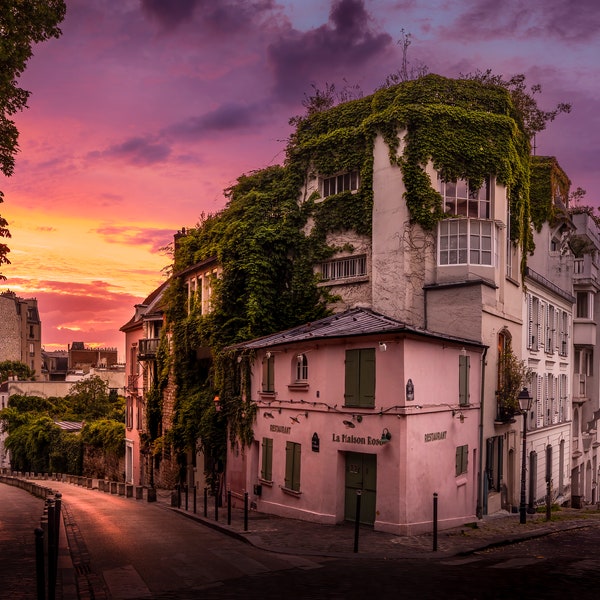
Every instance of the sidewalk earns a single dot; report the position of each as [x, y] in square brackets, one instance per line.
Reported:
[292, 536]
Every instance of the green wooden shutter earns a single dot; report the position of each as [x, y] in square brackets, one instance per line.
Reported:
[296, 470]
[292, 465]
[351, 392]
[268, 375]
[289, 464]
[462, 459]
[267, 459]
[367, 377]
[265, 375]
[463, 379]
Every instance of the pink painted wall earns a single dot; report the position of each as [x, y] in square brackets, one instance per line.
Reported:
[410, 467]
[132, 435]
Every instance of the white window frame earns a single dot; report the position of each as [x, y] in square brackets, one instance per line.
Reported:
[460, 242]
[459, 200]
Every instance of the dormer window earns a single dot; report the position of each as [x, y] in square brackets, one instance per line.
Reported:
[345, 182]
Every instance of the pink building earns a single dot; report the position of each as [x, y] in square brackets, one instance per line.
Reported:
[362, 402]
[142, 334]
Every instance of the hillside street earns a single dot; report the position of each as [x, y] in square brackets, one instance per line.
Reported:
[125, 548]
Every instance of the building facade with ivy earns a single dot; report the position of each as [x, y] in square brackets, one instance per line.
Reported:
[413, 203]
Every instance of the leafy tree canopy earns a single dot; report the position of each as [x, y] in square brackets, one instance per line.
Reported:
[90, 399]
[15, 367]
[22, 24]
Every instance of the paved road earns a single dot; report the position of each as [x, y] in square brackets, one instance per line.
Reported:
[560, 566]
[126, 549]
[20, 514]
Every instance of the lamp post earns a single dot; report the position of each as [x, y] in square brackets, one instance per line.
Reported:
[525, 405]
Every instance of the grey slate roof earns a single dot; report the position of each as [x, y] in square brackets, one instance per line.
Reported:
[351, 323]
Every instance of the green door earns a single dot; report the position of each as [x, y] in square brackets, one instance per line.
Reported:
[361, 474]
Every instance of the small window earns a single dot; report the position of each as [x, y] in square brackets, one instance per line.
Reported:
[360, 377]
[292, 466]
[301, 367]
[344, 268]
[268, 380]
[266, 472]
[345, 182]
[462, 459]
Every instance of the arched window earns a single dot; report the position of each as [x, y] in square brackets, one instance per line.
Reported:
[301, 367]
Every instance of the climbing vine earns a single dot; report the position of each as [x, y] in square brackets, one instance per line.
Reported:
[269, 236]
[548, 182]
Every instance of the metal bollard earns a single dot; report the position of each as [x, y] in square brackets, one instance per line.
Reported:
[357, 519]
[186, 496]
[57, 516]
[178, 488]
[51, 549]
[435, 524]
[217, 506]
[206, 502]
[245, 511]
[39, 564]
[194, 498]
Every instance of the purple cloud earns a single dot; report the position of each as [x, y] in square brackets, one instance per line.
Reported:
[347, 42]
[137, 151]
[224, 16]
[225, 118]
[542, 19]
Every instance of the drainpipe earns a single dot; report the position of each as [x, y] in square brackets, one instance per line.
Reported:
[479, 508]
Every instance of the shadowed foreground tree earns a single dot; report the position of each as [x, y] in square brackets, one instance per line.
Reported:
[23, 23]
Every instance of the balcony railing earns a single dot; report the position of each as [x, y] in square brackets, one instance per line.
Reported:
[147, 348]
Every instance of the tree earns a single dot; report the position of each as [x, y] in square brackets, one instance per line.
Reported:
[534, 118]
[89, 399]
[15, 367]
[22, 24]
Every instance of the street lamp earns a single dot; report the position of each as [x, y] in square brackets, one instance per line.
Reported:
[525, 405]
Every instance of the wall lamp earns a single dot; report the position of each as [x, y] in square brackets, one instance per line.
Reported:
[349, 424]
[386, 436]
[459, 414]
[382, 346]
[268, 415]
[296, 419]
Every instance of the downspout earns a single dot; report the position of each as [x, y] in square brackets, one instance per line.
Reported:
[479, 508]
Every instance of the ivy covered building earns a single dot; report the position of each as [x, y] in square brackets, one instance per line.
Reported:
[408, 212]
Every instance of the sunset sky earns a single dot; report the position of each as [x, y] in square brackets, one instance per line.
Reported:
[144, 111]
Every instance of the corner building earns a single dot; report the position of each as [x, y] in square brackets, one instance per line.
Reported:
[453, 287]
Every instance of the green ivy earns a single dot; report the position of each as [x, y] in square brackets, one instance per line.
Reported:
[548, 182]
[268, 237]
